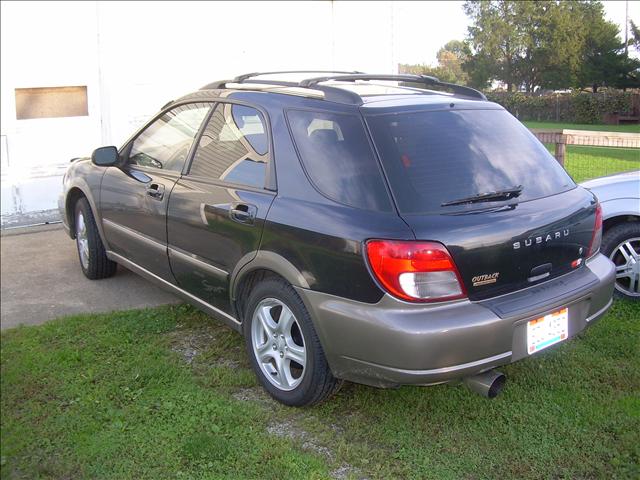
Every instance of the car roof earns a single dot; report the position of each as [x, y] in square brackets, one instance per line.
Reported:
[370, 97]
[348, 88]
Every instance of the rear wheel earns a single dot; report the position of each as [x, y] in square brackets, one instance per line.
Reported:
[621, 244]
[91, 253]
[283, 346]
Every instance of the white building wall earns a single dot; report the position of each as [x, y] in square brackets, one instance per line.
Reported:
[135, 56]
[44, 44]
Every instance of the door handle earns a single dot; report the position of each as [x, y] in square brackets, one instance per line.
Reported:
[243, 213]
[156, 191]
[540, 272]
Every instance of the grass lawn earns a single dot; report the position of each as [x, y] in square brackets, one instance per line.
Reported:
[167, 393]
[629, 128]
[584, 163]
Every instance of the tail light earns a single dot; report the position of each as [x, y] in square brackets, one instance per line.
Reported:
[596, 237]
[415, 271]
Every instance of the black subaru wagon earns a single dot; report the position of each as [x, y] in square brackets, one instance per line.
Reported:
[382, 229]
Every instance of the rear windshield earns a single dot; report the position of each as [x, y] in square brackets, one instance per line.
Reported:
[432, 158]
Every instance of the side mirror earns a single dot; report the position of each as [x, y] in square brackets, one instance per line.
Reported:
[105, 156]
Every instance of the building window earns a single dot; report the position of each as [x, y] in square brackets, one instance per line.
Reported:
[51, 102]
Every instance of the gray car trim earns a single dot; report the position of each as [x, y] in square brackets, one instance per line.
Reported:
[267, 260]
[195, 260]
[134, 233]
[600, 312]
[539, 297]
[441, 343]
[210, 309]
[437, 371]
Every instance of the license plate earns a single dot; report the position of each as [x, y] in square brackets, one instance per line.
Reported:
[545, 331]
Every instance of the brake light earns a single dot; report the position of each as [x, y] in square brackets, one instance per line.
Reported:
[415, 271]
[596, 237]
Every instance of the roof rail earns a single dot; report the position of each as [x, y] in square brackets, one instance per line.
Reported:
[336, 94]
[242, 78]
[423, 79]
[332, 94]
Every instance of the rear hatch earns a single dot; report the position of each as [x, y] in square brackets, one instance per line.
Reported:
[479, 182]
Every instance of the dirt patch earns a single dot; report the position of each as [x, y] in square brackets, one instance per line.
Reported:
[256, 395]
[192, 343]
[345, 471]
[189, 343]
[289, 429]
[226, 363]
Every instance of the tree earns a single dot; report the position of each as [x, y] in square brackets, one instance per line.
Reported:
[603, 58]
[420, 69]
[528, 44]
[552, 45]
[450, 60]
[479, 69]
[635, 35]
[548, 43]
[496, 38]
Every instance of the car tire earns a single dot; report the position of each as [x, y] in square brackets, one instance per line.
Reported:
[621, 244]
[91, 253]
[283, 347]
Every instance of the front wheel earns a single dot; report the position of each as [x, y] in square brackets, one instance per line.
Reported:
[283, 346]
[91, 253]
[621, 244]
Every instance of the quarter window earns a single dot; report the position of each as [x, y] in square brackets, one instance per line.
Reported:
[234, 147]
[338, 158]
[166, 142]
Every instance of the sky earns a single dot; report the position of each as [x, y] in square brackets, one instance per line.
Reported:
[424, 27]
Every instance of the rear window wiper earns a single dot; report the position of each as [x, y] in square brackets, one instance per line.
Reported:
[506, 194]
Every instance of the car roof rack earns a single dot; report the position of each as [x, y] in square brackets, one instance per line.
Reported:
[407, 78]
[333, 94]
[336, 94]
[243, 78]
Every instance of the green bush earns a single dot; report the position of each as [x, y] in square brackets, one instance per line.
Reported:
[575, 107]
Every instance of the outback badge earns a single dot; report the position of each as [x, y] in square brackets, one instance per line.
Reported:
[485, 279]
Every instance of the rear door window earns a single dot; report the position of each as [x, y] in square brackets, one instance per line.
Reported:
[436, 157]
[234, 147]
[336, 154]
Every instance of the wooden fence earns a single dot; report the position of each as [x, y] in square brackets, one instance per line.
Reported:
[562, 138]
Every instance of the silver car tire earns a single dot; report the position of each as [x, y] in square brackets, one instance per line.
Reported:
[93, 258]
[621, 244]
[283, 347]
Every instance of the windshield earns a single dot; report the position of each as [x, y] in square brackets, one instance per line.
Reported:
[434, 158]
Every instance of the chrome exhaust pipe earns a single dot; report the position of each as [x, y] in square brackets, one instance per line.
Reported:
[488, 384]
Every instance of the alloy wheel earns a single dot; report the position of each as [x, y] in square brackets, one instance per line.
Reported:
[82, 240]
[626, 257]
[278, 344]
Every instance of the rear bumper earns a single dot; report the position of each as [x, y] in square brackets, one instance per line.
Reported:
[395, 343]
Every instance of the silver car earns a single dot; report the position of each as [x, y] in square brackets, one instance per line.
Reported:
[619, 196]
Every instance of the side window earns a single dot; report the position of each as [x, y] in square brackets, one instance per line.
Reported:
[166, 142]
[338, 158]
[234, 147]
